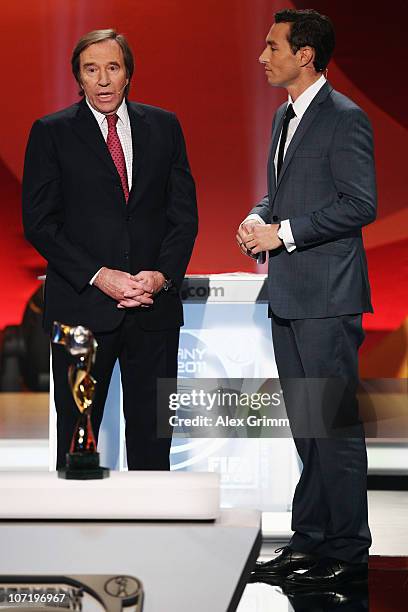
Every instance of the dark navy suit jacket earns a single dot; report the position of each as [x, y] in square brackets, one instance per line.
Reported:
[327, 189]
[76, 216]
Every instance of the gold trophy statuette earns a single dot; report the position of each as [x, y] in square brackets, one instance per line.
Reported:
[83, 458]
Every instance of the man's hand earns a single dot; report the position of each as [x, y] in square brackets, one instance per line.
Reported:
[263, 238]
[149, 282]
[118, 285]
[244, 230]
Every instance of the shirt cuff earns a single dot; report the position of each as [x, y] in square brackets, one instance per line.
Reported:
[285, 234]
[91, 282]
[254, 217]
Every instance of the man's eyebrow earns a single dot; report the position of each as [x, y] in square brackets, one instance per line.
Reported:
[114, 62]
[270, 42]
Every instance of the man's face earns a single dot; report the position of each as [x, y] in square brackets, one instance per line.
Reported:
[103, 75]
[282, 67]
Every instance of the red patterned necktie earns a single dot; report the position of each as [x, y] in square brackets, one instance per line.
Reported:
[116, 151]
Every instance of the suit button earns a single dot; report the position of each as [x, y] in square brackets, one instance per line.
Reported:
[340, 195]
[126, 254]
[275, 218]
[129, 217]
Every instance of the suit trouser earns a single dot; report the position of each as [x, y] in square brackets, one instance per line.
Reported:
[317, 361]
[143, 357]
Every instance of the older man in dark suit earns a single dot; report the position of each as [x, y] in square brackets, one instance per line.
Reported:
[109, 201]
[321, 192]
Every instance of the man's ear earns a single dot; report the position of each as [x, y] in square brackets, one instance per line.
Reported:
[81, 88]
[306, 55]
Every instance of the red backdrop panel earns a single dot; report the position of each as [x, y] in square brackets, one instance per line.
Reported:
[198, 59]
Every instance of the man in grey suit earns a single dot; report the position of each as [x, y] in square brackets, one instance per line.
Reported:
[321, 192]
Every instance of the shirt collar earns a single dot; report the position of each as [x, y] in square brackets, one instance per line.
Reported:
[302, 102]
[122, 113]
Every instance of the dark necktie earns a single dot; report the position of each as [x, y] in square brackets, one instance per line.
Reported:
[290, 113]
[116, 151]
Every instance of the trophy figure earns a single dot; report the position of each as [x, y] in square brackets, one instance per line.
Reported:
[83, 458]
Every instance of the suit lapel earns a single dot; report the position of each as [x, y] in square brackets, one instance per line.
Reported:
[87, 129]
[303, 127]
[140, 138]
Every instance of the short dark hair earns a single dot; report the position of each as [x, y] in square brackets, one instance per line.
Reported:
[310, 29]
[97, 36]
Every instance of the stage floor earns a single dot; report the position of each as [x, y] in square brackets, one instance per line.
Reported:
[24, 445]
[386, 591]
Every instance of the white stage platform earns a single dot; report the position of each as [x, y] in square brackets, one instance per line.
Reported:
[123, 496]
[183, 559]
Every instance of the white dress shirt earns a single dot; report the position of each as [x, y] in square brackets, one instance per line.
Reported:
[124, 131]
[300, 105]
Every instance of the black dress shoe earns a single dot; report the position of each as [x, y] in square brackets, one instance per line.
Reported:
[288, 561]
[327, 572]
[341, 597]
[271, 579]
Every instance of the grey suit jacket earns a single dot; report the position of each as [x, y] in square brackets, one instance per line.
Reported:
[327, 189]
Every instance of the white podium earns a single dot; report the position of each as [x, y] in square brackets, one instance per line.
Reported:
[226, 335]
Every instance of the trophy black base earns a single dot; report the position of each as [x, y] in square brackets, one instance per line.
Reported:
[83, 466]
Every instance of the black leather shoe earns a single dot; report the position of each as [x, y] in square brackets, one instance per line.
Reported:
[288, 561]
[271, 579]
[327, 572]
[351, 596]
